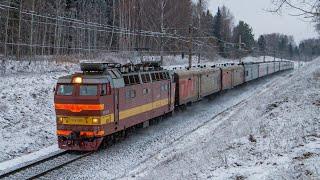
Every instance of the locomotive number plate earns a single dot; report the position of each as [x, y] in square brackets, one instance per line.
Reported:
[78, 121]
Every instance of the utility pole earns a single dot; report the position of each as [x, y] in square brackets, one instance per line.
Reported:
[299, 61]
[199, 27]
[31, 30]
[190, 46]
[176, 42]
[163, 4]
[161, 45]
[240, 48]
[6, 32]
[19, 31]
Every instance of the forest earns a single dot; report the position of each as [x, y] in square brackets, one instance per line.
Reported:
[30, 28]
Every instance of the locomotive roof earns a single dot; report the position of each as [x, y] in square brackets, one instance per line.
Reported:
[112, 76]
[86, 79]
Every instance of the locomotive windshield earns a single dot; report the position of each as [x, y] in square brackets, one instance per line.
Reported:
[65, 90]
[88, 90]
[82, 90]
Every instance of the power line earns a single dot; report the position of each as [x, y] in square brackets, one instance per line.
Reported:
[120, 30]
[91, 26]
[86, 23]
[116, 31]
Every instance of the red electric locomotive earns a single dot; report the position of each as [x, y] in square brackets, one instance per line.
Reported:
[108, 98]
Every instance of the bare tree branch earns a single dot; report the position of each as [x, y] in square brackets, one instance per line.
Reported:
[304, 8]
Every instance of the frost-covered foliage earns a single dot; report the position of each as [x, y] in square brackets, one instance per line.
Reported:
[14, 67]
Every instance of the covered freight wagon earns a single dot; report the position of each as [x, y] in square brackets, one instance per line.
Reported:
[263, 69]
[210, 81]
[232, 76]
[251, 71]
[187, 83]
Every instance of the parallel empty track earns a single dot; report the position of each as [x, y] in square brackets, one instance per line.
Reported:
[42, 167]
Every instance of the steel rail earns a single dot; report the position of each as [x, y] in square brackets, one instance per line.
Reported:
[47, 169]
[35, 163]
[58, 166]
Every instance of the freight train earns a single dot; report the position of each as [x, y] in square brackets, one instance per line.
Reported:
[107, 98]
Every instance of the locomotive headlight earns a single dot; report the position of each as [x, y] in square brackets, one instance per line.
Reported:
[96, 121]
[60, 120]
[77, 80]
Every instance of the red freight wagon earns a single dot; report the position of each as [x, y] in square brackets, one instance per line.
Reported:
[187, 83]
[227, 75]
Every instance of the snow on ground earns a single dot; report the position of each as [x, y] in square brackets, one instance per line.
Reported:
[8, 66]
[29, 158]
[27, 118]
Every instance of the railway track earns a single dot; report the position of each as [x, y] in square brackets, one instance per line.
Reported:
[42, 167]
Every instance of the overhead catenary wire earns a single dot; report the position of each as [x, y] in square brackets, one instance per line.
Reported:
[99, 48]
[85, 23]
[120, 30]
[92, 26]
[134, 33]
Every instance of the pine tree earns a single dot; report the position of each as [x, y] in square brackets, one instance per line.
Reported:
[296, 51]
[262, 45]
[282, 46]
[245, 31]
[217, 27]
[290, 50]
[217, 24]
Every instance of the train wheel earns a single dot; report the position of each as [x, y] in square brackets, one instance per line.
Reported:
[170, 114]
[124, 133]
[184, 107]
[107, 142]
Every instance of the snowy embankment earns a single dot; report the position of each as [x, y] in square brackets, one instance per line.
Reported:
[273, 135]
[27, 118]
[8, 66]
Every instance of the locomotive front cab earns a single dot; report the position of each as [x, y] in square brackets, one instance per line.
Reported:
[83, 105]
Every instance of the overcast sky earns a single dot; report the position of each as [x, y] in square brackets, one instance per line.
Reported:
[254, 13]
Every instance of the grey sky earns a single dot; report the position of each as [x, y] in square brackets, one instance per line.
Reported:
[253, 12]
